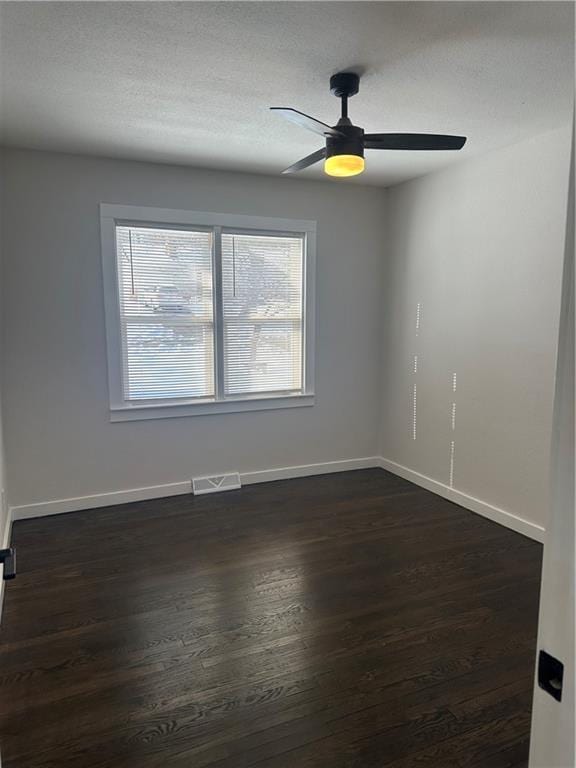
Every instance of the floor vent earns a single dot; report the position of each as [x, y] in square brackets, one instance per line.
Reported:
[215, 483]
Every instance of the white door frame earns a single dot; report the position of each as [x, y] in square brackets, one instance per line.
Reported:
[553, 722]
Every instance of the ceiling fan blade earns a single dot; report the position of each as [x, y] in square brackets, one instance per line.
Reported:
[412, 141]
[306, 161]
[299, 118]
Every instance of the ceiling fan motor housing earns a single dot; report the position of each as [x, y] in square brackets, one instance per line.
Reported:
[351, 143]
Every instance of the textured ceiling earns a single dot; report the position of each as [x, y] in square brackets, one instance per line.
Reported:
[190, 82]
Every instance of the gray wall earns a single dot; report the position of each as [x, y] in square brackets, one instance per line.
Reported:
[56, 416]
[480, 248]
[3, 487]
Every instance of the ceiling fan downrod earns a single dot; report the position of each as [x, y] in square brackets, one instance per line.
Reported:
[344, 85]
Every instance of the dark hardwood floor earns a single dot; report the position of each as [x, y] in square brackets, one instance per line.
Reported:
[342, 621]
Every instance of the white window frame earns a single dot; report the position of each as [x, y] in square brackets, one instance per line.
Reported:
[112, 215]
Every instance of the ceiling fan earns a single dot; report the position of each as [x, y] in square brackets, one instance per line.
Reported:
[343, 154]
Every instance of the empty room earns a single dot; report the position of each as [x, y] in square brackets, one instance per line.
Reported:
[287, 384]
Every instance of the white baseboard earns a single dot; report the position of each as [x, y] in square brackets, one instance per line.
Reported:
[78, 503]
[306, 470]
[75, 504]
[60, 506]
[507, 519]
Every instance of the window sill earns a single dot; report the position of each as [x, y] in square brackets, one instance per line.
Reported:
[205, 407]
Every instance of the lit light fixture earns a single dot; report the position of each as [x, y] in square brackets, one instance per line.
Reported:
[344, 165]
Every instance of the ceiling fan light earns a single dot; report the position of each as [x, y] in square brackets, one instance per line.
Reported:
[344, 165]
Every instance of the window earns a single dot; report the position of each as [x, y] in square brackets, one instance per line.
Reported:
[206, 312]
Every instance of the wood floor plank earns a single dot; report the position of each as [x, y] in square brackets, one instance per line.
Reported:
[343, 621]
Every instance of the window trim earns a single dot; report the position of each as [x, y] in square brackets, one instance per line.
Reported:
[121, 410]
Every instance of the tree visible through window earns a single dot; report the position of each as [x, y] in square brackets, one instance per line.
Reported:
[262, 313]
[209, 313]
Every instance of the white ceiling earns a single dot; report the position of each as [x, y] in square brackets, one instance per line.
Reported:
[190, 82]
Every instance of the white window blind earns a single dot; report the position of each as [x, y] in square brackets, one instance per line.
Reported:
[262, 298]
[206, 313]
[166, 312]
